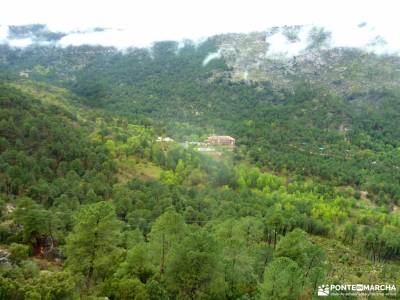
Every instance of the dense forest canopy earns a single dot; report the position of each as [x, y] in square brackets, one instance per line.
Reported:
[93, 206]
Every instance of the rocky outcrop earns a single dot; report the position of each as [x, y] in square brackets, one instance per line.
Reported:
[283, 56]
[4, 257]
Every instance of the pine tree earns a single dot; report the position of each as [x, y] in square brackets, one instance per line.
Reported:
[90, 246]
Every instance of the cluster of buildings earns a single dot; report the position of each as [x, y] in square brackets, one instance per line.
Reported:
[221, 140]
[208, 145]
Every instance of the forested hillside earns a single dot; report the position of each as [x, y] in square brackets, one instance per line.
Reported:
[93, 205]
[309, 129]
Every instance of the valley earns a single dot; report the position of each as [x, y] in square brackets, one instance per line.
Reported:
[150, 174]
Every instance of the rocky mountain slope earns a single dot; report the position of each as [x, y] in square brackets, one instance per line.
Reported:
[282, 56]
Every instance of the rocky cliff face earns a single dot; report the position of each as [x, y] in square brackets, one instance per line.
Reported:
[285, 55]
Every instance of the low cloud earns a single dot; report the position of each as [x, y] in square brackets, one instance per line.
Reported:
[3, 34]
[284, 42]
[211, 56]
[280, 46]
[20, 43]
[361, 36]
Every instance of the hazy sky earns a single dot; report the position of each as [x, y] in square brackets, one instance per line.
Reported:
[144, 21]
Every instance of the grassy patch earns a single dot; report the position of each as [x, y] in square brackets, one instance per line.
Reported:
[132, 167]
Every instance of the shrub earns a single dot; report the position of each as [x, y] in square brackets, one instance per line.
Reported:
[19, 252]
